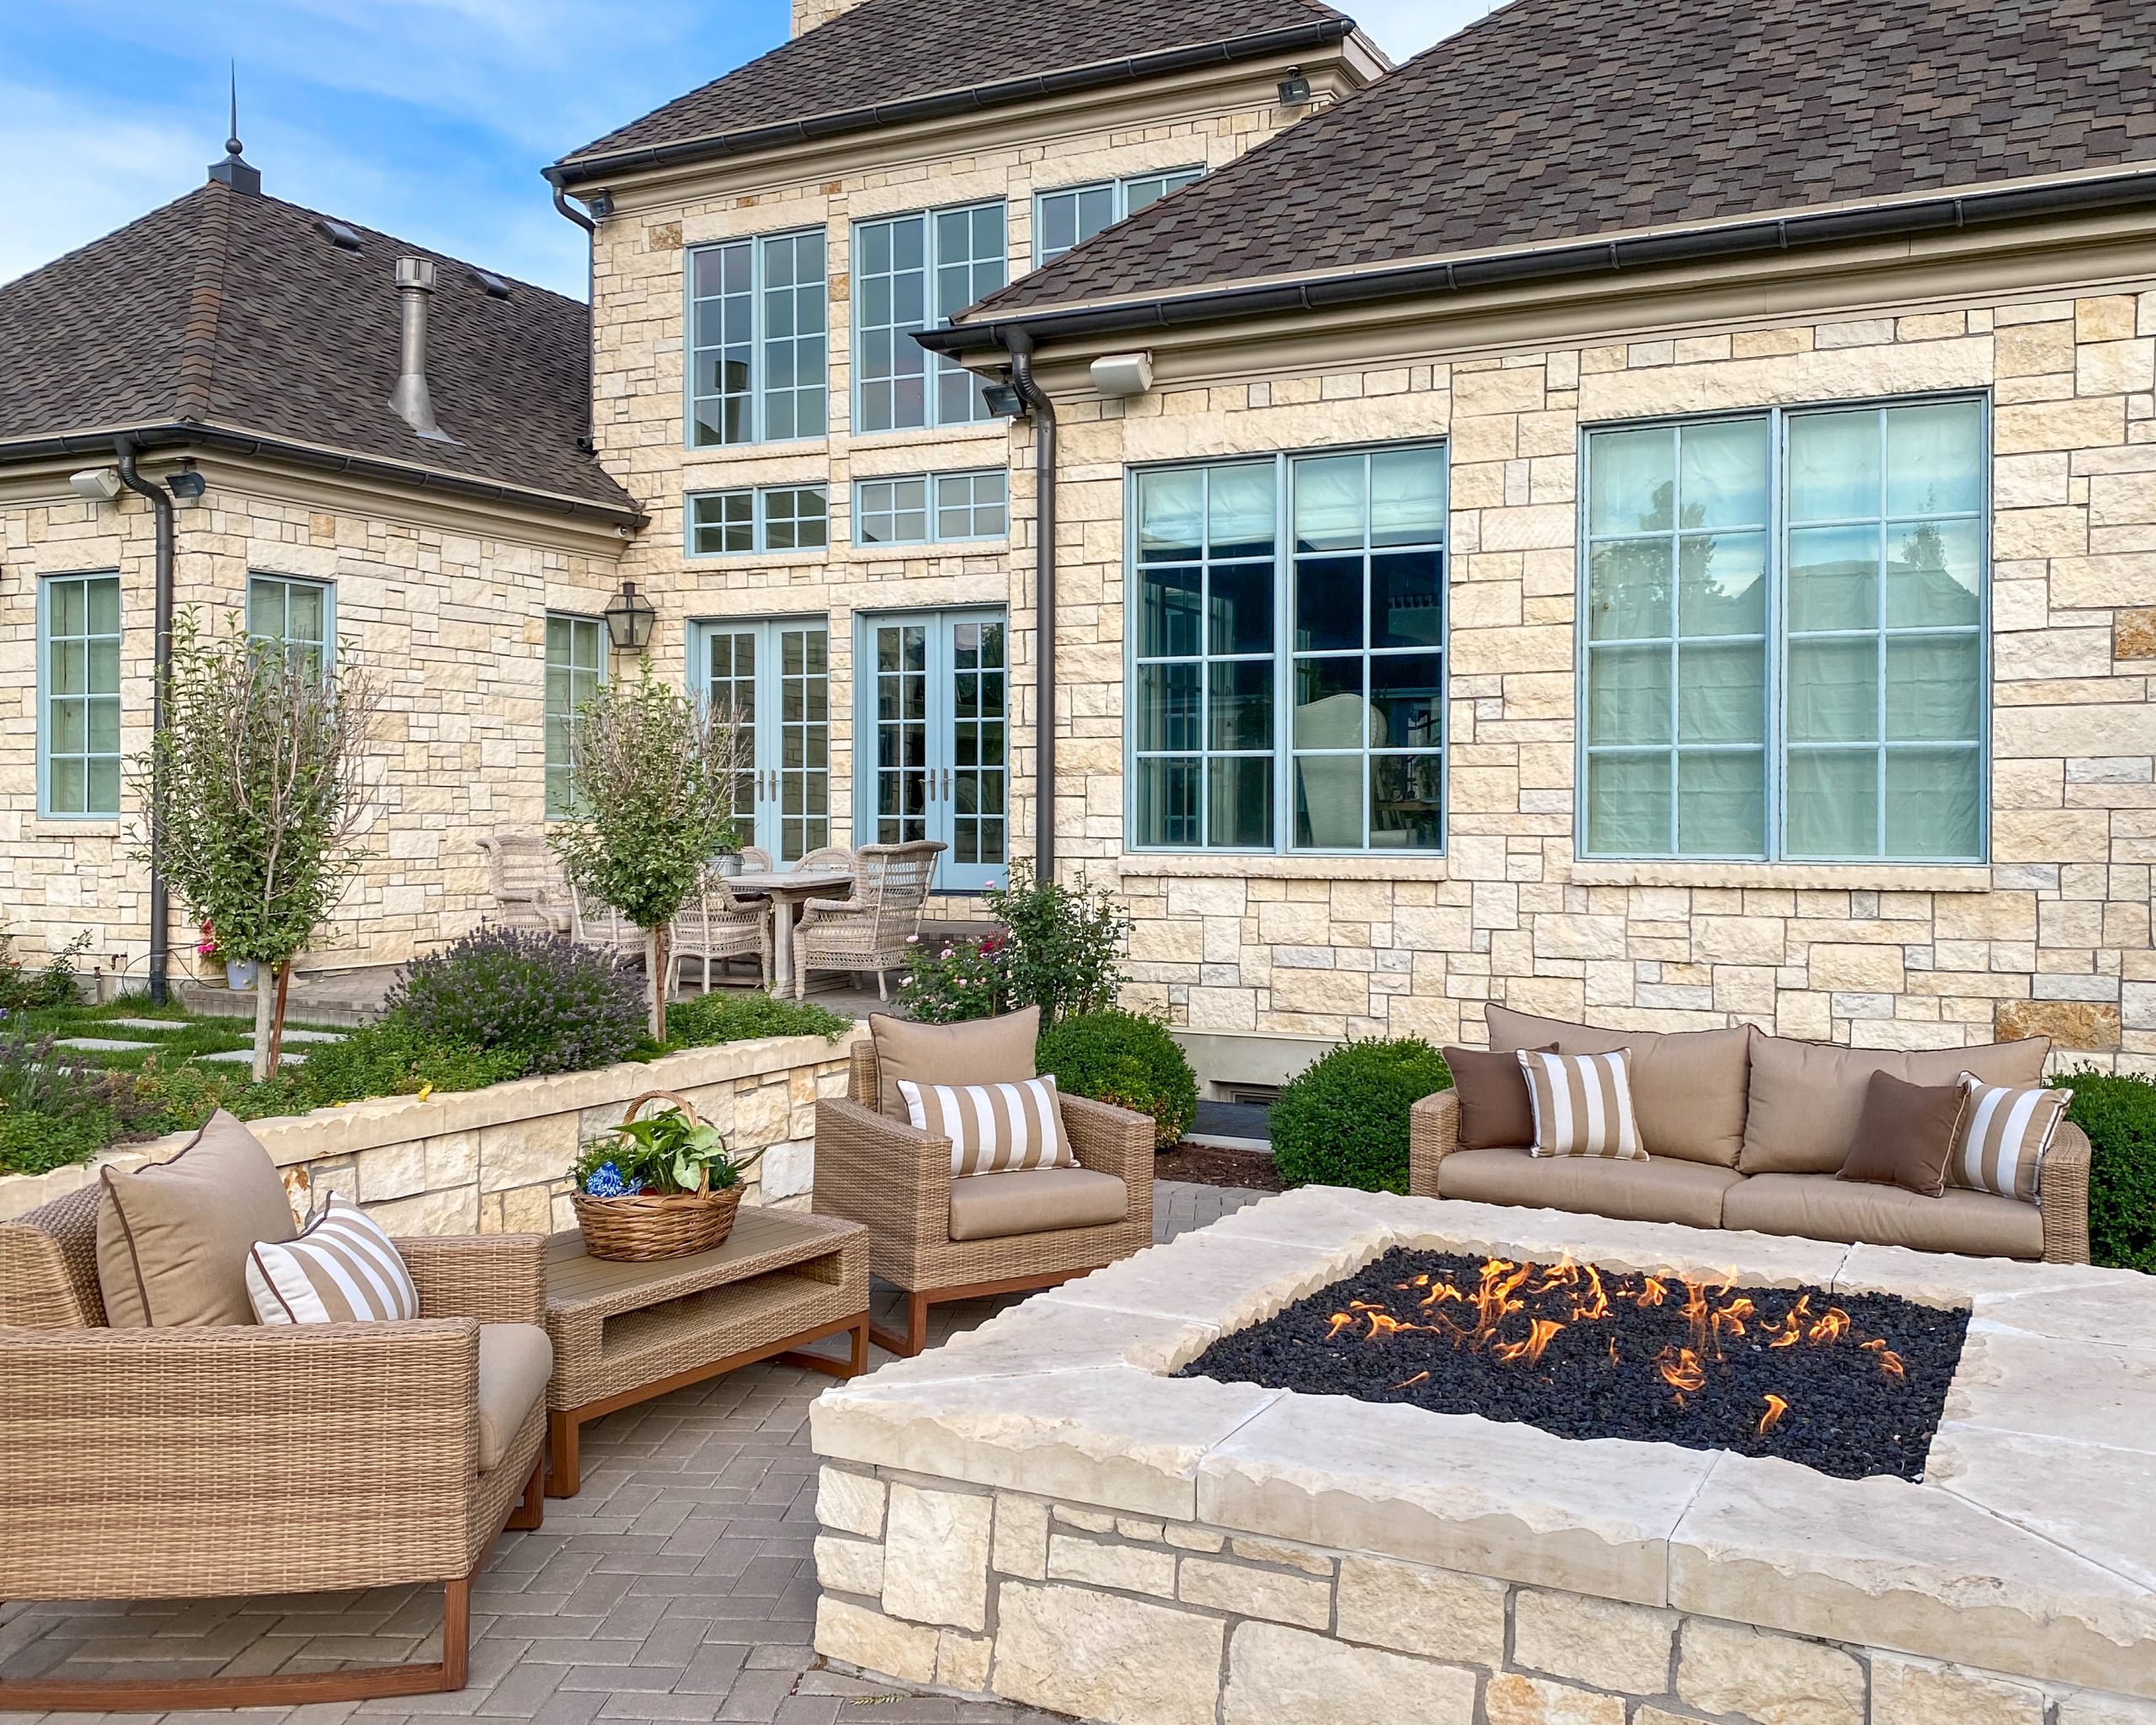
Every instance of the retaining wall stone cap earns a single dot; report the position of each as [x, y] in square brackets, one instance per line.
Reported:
[2107, 1517]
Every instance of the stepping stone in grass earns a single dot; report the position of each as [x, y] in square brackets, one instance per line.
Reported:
[101, 1045]
[308, 1036]
[239, 1056]
[149, 1023]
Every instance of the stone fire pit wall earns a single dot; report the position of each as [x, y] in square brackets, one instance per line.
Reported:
[1037, 1512]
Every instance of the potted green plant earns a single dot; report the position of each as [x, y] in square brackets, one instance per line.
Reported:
[660, 1187]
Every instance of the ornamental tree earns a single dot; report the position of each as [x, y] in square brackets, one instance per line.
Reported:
[255, 788]
[653, 777]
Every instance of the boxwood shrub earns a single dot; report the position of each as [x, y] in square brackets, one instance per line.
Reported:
[1344, 1122]
[1125, 1059]
[2118, 1112]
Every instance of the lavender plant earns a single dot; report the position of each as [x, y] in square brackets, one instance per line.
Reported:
[562, 1007]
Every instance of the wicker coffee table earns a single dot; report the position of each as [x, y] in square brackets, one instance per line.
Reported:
[624, 1332]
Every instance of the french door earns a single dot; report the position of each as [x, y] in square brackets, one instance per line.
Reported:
[934, 724]
[773, 680]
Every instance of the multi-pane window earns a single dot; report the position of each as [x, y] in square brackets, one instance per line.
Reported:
[80, 672]
[772, 682]
[776, 518]
[1064, 218]
[1784, 640]
[758, 341]
[909, 274]
[294, 614]
[1289, 684]
[576, 665]
[928, 508]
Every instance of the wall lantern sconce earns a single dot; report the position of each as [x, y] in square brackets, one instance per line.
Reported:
[629, 619]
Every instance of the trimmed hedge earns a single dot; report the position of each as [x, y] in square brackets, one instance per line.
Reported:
[1120, 1057]
[1344, 1122]
[2118, 1112]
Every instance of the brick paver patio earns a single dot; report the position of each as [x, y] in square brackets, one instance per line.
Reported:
[678, 1586]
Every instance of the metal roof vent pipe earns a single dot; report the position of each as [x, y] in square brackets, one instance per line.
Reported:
[415, 282]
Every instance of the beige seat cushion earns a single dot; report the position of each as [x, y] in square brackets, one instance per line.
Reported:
[172, 1237]
[1664, 1190]
[1035, 1201]
[1807, 1096]
[515, 1360]
[1820, 1207]
[1687, 1085]
[987, 1051]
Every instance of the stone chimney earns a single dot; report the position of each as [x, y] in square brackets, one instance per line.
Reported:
[808, 14]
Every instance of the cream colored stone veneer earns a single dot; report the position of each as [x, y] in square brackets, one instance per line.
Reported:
[1035, 1512]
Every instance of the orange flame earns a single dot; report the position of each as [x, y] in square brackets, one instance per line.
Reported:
[1653, 1293]
[1890, 1362]
[1830, 1328]
[1681, 1370]
[1341, 1320]
[1530, 1350]
[1776, 1407]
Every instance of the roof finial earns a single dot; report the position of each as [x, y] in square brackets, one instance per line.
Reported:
[234, 171]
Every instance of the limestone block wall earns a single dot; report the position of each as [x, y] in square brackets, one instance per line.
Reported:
[1136, 1620]
[447, 611]
[496, 1161]
[2053, 937]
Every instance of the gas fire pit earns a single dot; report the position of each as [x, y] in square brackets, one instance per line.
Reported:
[1208, 1486]
[1850, 1384]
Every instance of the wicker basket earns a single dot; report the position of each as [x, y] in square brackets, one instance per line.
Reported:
[650, 1224]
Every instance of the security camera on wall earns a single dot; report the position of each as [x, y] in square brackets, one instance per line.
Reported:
[98, 484]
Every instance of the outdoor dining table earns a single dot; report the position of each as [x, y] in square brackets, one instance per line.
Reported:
[788, 891]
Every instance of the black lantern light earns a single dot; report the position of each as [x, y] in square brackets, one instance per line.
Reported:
[629, 617]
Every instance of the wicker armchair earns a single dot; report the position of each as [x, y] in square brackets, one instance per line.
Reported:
[526, 882]
[895, 1180]
[715, 926]
[829, 857]
[871, 930]
[755, 860]
[251, 1460]
[596, 924]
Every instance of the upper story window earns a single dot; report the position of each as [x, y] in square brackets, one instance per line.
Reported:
[291, 612]
[775, 518]
[78, 669]
[576, 665]
[1072, 213]
[757, 340]
[909, 274]
[923, 509]
[1784, 641]
[1288, 686]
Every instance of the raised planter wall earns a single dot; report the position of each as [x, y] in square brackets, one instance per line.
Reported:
[495, 1161]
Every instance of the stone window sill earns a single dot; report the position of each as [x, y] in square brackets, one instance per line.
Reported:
[1184, 865]
[1829, 877]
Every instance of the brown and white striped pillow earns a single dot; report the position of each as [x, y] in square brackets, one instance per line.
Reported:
[1582, 1104]
[2005, 1131]
[342, 1269]
[994, 1129]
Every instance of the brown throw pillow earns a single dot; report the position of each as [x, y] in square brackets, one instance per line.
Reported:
[173, 1237]
[986, 1051]
[1905, 1134]
[1494, 1110]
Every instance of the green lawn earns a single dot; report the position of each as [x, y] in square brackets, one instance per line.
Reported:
[191, 1035]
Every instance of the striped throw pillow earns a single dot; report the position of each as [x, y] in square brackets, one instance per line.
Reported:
[2005, 1131]
[994, 1129]
[1582, 1104]
[342, 1269]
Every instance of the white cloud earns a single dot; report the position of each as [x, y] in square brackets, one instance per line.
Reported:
[98, 171]
[1404, 28]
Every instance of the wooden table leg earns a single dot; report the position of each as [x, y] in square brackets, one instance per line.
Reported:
[563, 1478]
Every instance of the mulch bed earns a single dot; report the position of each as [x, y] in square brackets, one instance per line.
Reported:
[1208, 1165]
[1849, 1384]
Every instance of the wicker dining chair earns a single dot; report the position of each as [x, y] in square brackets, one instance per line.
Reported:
[715, 926]
[594, 923]
[871, 930]
[526, 883]
[755, 860]
[895, 1179]
[252, 1460]
[830, 856]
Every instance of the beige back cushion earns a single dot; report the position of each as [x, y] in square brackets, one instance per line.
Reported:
[1807, 1096]
[1687, 1085]
[986, 1051]
[173, 1238]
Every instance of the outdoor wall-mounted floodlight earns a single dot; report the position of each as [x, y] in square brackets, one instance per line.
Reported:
[97, 484]
[600, 203]
[629, 619]
[1295, 88]
[1004, 401]
[187, 486]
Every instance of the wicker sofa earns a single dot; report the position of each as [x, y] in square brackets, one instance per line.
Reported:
[1686, 1179]
[240, 1461]
[895, 1179]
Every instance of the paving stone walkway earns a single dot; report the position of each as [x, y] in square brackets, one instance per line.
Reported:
[678, 1587]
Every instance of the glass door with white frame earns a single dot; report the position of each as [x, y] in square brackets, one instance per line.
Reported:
[772, 679]
[935, 718]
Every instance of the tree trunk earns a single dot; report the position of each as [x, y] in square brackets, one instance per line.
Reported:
[656, 941]
[277, 1021]
[266, 1013]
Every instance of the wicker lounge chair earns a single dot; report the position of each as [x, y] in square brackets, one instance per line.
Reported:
[245, 1460]
[871, 930]
[895, 1179]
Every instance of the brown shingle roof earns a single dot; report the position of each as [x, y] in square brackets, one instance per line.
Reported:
[233, 311]
[1555, 120]
[851, 72]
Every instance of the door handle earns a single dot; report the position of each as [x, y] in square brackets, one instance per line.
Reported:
[946, 784]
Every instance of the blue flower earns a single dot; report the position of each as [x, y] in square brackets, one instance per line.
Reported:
[606, 1181]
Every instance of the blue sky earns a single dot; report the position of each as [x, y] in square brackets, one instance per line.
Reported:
[427, 119]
